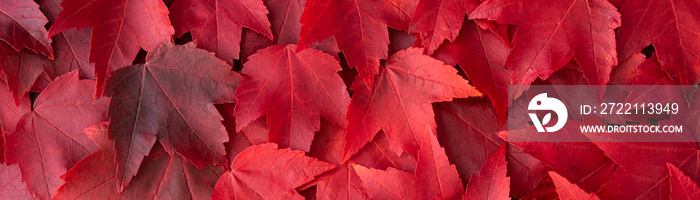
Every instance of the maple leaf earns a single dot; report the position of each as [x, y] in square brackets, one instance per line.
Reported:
[359, 27]
[147, 102]
[265, 172]
[545, 41]
[12, 185]
[468, 130]
[285, 21]
[641, 175]
[582, 162]
[255, 133]
[22, 69]
[569, 191]
[434, 176]
[72, 47]
[343, 182]
[217, 24]
[310, 86]
[435, 21]
[46, 143]
[22, 25]
[120, 29]
[682, 187]
[481, 55]
[669, 25]
[9, 113]
[161, 175]
[491, 182]
[399, 102]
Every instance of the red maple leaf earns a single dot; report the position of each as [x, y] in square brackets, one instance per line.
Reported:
[46, 143]
[399, 102]
[23, 26]
[148, 103]
[216, 25]
[343, 182]
[434, 176]
[120, 29]
[669, 25]
[359, 27]
[161, 175]
[265, 172]
[12, 185]
[285, 20]
[467, 128]
[682, 187]
[72, 47]
[491, 182]
[293, 90]
[435, 21]
[481, 55]
[22, 69]
[569, 191]
[546, 41]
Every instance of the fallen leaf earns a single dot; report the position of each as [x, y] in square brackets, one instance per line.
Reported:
[46, 143]
[311, 87]
[491, 182]
[120, 29]
[148, 103]
[265, 172]
[399, 102]
[216, 25]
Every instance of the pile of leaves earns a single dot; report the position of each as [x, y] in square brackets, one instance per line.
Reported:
[331, 99]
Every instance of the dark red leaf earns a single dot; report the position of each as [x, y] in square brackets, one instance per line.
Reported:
[120, 29]
[161, 176]
[481, 55]
[148, 102]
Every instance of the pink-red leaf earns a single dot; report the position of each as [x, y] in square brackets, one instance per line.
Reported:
[216, 25]
[21, 69]
[545, 41]
[22, 25]
[434, 176]
[399, 102]
[12, 185]
[359, 27]
[46, 142]
[265, 172]
[436, 21]
[293, 90]
[569, 191]
[491, 183]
